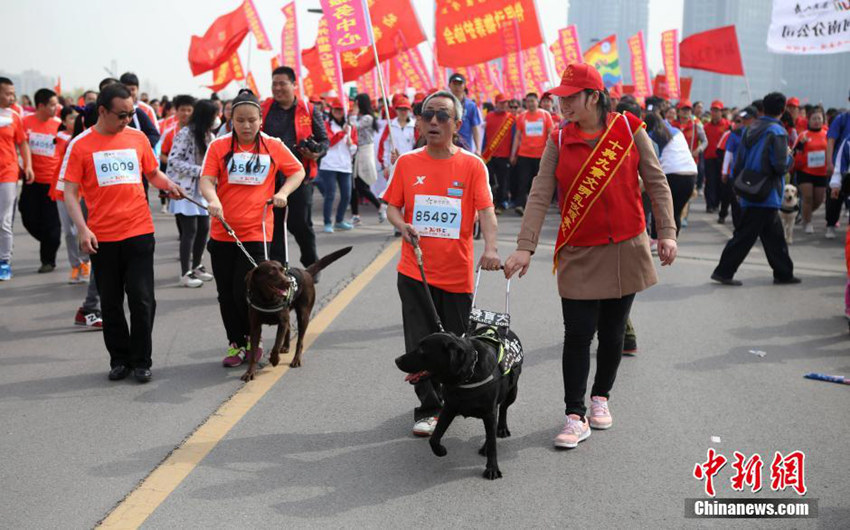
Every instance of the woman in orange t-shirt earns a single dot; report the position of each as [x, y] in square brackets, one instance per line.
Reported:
[810, 163]
[237, 180]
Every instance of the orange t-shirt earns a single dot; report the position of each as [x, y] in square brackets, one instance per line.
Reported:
[11, 134]
[109, 169]
[42, 139]
[812, 158]
[440, 198]
[57, 189]
[168, 140]
[533, 128]
[245, 183]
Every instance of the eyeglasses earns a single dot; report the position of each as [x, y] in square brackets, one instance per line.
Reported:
[442, 116]
[123, 115]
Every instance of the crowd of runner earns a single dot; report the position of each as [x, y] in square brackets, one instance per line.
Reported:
[212, 157]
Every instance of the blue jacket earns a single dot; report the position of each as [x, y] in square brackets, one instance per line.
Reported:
[777, 158]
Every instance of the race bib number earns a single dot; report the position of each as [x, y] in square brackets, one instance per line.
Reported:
[437, 216]
[816, 158]
[534, 128]
[6, 119]
[248, 169]
[42, 144]
[120, 166]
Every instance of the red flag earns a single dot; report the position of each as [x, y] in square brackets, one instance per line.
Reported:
[640, 70]
[223, 74]
[715, 50]
[659, 87]
[253, 85]
[470, 33]
[221, 40]
[290, 54]
[670, 57]
[347, 25]
[58, 87]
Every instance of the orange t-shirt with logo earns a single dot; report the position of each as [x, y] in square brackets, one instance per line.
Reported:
[533, 128]
[42, 139]
[109, 169]
[245, 183]
[440, 198]
[11, 134]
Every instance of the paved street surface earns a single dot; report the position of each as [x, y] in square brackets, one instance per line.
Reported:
[328, 445]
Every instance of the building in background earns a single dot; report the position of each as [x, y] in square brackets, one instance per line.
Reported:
[596, 20]
[28, 81]
[812, 78]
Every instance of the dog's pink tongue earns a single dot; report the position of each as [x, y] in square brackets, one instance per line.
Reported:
[414, 378]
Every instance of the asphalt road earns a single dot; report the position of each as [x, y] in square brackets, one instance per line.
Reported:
[329, 444]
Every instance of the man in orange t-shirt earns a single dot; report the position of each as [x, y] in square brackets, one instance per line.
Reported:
[108, 161]
[38, 211]
[532, 129]
[499, 127]
[12, 138]
[433, 196]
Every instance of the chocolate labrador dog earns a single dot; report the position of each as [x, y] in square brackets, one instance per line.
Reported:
[476, 382]
[272, 293]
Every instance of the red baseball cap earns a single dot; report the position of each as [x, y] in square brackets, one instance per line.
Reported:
[335, 103]
[793, 102]
[419, 97]
[578, 77]
[717, 104]
[684, 104]
[401, 103]
[501, 98]
[315, 98]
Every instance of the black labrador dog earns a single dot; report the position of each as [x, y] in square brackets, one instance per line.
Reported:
[474, 384]
[270, 300]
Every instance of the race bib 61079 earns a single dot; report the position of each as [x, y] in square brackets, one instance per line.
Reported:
[42, 144]
[437, 216]
[248, 169]
[119, 166]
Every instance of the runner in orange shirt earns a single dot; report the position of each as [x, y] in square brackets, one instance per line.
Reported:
[237, 179]
[499, 128]
[433, 195]
[12, 139]
[107, 162]
[532, 129]
[38, 211]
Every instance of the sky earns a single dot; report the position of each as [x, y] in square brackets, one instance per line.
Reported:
[151, 37]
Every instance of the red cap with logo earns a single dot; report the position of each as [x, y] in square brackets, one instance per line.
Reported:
[578, 77]
[717, 104]
[793, 102]
[401, 103]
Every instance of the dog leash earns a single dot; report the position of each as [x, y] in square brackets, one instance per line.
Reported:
[418, 252]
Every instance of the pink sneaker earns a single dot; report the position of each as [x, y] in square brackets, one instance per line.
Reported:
[574, 431]
[600, 416]
[235, 356]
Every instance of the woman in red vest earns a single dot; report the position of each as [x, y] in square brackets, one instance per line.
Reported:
[810, 163]
[602, 254]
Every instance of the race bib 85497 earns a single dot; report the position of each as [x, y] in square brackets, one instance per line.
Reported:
[42, 144]
[119, 166]
[437, 216]
[248, 169]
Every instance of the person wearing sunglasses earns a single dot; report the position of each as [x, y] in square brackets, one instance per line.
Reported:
[107, 162]
[432, 197]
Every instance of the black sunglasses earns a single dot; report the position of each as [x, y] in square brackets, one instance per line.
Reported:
[123, 115]
[442, 116]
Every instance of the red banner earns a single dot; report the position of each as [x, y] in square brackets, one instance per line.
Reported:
[404, 64]
[58, 87]
[221, 40]
[715, 50]
[290, 54]
[256, 25]
[223, 74]
[659, 87]
[566, 49]
[368, 84]
[321, 73]
[670, 58]
[347, 26]
[439, 72]
[470, 32]
[640, 69]
[253, 85]
[534, 66]
[419, 64]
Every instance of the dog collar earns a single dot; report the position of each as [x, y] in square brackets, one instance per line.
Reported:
[287, 297]
[479, 383]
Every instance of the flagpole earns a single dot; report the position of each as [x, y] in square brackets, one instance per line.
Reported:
[380, 73]
[248, 62]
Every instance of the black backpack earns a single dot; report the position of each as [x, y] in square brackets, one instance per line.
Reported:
[756, 180]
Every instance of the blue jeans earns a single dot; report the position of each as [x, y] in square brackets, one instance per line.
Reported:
[330, 180]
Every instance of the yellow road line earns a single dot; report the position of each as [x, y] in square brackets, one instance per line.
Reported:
[155, 489]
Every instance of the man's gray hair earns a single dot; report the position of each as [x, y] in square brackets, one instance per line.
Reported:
[448, 95]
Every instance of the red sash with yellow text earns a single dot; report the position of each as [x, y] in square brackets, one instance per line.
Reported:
[501, 135]
[594, 176]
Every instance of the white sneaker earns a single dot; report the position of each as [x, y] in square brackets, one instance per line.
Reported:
[189, 280]
[808, 228]
[382, 213]
[201, 273]
[164, 209]
[830, 232]
[600, 415]
[355, 220]
[574, 431]
[425, 426]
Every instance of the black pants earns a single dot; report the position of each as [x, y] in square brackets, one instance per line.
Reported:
[527, 169]
[300, 225]
[41, 219]
[417, 318]
[500, 174]
[713, 185]
[729, 201]
[757, 223]
[833, 207]
[681, 187]
[582, 318]
[229, 267]
[361, 189]
[126, 267]
[194, 230]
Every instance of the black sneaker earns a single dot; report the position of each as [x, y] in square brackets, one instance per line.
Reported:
[630, 347]
[787, 281]
[46, 267]
[142, 375]
[118, 373]
[726, 281]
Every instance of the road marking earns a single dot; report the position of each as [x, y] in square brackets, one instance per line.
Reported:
[164, 479]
